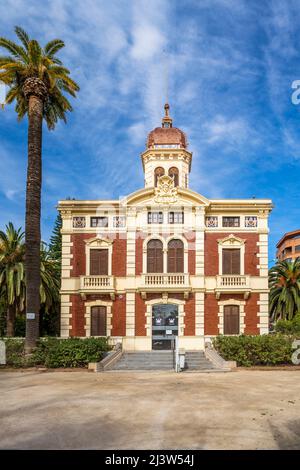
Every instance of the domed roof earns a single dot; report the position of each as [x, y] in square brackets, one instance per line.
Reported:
[166, 135]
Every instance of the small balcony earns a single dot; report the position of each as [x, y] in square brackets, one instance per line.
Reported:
[97, 285]
[232, 284]
[165, 282]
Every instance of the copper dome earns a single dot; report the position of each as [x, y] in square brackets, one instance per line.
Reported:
[167, 134]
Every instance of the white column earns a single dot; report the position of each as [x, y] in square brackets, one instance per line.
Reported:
[263, 313]
[131, 237]
[199, 227]
[199, 312]
[130, 314]
[65, 315]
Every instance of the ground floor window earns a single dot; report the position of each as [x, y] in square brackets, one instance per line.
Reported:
[231, 320]
[98, 321]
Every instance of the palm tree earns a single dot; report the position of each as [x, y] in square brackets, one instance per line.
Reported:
[12, 282]
[284, 283]
[37, 81]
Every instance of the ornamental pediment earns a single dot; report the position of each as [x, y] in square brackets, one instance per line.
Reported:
[231, 240]
[98, 242]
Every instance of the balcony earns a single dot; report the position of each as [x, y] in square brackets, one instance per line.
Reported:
[232, 284]
[165, 282]
[97, 285]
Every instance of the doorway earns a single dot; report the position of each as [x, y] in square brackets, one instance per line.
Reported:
[164, 326]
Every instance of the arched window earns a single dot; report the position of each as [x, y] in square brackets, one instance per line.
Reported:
[155, 256]
[173, 172]
[175, 256]
[158, 172]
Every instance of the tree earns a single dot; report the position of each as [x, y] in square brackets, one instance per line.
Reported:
[284, 283]
[56, 239]
[12, 281]
[37, 81]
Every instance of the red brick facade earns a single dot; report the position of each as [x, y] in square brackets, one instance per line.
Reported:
[251, 318]
[211, 256]
[140, 316]
[77, 320]
[189, 319]
[119, 316]
[211, 319]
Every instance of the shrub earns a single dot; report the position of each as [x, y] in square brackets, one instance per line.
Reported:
[255, 350]
[53, 352]
[289, 327]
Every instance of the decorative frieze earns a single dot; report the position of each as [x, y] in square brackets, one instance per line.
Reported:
[211, 221]
[78, 222]
[119, 221]
[251, 221]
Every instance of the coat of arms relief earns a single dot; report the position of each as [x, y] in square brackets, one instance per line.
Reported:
[166, 191]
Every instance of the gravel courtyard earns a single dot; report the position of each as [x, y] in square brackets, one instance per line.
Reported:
[153, 410]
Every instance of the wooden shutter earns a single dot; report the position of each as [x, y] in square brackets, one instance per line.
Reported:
[99, 262]
[231, 261]
[175, 256]
[231, 320]
[155, 256]
[98, 321]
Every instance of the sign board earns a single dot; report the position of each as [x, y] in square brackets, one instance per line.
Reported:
[30, 316]
[169, 332]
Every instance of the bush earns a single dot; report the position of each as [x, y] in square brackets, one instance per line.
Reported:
[52, 352]
[289, 327]
[255, 350]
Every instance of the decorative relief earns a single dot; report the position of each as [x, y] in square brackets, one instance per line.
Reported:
[211, 221]
[166, 192]
[250, 221]
[119, 221]
[78, 222]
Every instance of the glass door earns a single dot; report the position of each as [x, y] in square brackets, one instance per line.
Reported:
[164, 325]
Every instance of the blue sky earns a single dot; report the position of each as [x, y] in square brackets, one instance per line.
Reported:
[231, 65]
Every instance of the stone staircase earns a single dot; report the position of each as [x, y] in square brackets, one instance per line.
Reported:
[145, 360]
[161, 360]
[196, 360]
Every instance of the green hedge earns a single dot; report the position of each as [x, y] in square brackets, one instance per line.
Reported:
[53, 352]
[255, 350]
[289, 327]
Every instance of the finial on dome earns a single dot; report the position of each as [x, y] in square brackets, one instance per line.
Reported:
[167, 120]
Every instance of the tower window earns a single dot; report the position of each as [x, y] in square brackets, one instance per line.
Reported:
[158, 172]
[173, 173]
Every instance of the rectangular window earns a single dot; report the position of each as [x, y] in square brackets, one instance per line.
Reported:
[231, 221]
[155, 218]
[231, 261]
[297, 248]
[98, 262]
[231, 320]
[99, 221]
[98, 321]
[176, 217]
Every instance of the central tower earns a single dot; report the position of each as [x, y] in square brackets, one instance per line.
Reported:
[167, 154]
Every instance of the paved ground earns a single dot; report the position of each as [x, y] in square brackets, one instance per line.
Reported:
[152, 410]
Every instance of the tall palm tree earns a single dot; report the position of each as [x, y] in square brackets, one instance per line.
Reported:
[12, 282]
[37, 81]
[284, 283]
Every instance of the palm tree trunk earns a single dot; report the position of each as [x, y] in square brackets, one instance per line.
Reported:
[33, 212]
[10, 320]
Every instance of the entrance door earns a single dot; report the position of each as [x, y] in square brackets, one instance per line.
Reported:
[164, 325]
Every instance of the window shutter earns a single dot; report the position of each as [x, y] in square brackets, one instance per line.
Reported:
[98, 321]
[231, 261]
[155, 256]
[231, 320]
[235, 261]
[175, 256]
[99, 262]
[94, 262]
